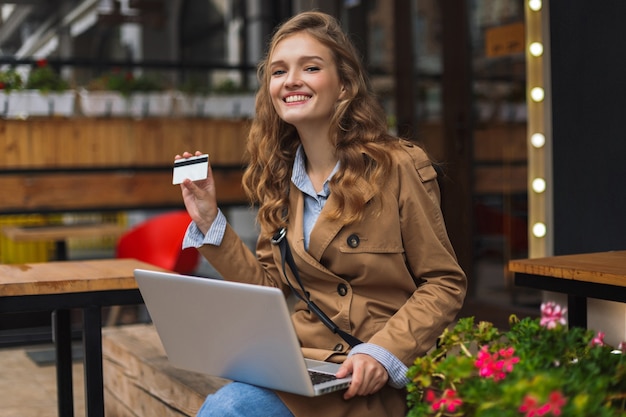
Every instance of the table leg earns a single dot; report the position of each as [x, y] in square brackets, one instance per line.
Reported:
[60, 249]
[92, 345]
[577, 311]
[62, 334]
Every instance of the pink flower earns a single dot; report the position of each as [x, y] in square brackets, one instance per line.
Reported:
[430, 396]
[529, 406]
[532, 408]
[497, 365]
[552, 315]
[449, 400]
[508, 360]
[556, 400]
[598, 340]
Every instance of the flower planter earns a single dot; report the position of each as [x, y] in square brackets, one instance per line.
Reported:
[113, 103]
[21, 104]
[230, 107]
[103, 103]
[189, 105]
[150, 104]
[4, 103]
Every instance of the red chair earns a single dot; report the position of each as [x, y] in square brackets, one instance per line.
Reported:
[158, 241]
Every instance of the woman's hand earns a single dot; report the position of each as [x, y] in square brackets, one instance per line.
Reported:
[199, 198]
[368, 375]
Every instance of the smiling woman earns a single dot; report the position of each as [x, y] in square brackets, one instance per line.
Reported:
[358, 218]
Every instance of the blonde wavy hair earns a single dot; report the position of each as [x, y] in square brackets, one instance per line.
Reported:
[358, 130]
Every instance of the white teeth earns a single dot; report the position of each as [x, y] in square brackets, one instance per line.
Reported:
[293, 99]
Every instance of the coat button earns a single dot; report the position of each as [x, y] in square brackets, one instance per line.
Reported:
[353, 241]
[338, 347]
[342, 290]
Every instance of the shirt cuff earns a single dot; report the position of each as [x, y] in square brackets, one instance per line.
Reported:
[194, 237]
[395, 368]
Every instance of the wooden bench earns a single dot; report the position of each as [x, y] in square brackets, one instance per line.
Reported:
[140, 382]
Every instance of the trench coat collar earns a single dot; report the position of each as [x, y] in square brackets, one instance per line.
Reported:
[325, 229]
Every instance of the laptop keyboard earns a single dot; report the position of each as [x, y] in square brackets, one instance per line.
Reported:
[318, 377]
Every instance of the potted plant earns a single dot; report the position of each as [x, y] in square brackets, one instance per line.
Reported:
[45, 93]
[190, 100]
[229, 100]
[121, 93]
[540, 367]
[148, 98]
[10, 80]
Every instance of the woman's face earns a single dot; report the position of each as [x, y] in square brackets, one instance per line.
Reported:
[304, 84]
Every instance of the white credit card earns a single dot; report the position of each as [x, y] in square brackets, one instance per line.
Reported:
[195, 168]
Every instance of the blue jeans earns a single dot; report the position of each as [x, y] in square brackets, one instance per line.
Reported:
[243, 400]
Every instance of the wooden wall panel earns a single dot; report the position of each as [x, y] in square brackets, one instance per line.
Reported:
[29, 193]
[51, 165]
[94, 143]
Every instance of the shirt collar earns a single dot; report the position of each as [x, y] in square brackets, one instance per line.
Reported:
[302, 181]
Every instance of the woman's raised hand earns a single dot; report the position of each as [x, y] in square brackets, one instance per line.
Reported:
[200, 198]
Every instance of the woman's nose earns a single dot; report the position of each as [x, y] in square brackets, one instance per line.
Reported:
[293, 80]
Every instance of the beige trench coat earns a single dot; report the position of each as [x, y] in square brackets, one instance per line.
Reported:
[392, 279]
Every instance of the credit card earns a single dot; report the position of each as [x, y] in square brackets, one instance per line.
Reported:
[195, 168]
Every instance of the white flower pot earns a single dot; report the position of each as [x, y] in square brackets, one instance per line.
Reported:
[230, 106]
[22, 104]
[103, 103]
[189, 105]
[4, 103]
[150, 104]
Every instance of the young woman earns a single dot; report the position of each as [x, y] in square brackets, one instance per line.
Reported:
[362, 218]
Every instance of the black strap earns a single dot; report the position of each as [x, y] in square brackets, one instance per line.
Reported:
[280, 239]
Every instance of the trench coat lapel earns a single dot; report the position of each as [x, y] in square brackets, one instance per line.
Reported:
[295, 233]
[325, 229]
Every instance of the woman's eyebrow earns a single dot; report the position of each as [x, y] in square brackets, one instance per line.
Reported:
[300, 59]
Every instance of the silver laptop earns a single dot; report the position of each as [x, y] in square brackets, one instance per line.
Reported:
[237, 331]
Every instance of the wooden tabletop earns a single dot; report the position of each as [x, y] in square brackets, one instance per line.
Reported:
[62, 232]
[601, 267]
[69, 276]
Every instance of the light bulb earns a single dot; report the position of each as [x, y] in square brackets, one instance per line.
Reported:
[539, 185]
[534, 5]
[537, 94]
[536, 49]
[539, 229]
[538, 140]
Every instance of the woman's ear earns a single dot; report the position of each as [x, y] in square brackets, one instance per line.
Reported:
[342, 92]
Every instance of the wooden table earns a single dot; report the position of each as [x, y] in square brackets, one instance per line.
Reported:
[60, 287]
[61, 232]
[596, 275]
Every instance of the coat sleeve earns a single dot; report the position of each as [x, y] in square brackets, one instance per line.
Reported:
[429, 256]
[236, 262]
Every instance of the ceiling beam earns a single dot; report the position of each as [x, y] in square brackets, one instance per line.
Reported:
[19, 15]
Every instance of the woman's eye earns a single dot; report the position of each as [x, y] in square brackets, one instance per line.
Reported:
[278, 72]
[312, 69]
